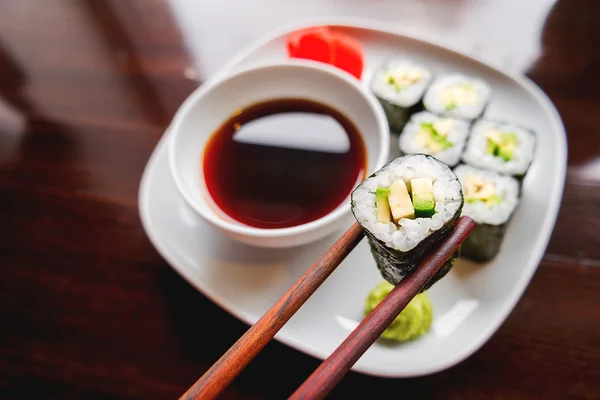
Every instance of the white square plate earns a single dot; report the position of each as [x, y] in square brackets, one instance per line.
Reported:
[470, 302]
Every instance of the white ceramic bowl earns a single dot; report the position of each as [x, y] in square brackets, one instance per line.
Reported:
[213, 103]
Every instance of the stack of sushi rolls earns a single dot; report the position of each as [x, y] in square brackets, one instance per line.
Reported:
[399, 85]
[496, 159]
[439, 136]
[405, 209]
[490, 200]
[458, 96]
[440, 121]
[500, 147]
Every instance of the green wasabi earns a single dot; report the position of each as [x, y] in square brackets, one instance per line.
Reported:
[413, 322]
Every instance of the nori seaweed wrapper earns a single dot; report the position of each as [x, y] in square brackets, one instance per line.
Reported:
[443, 270]
[398, 116]
[484, 242]
[395, 264]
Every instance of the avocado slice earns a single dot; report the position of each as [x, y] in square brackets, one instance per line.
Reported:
[393, 83]
[501, 144]
[506, 153]
[401, 78]
[508, 146]
[400, 202]
[439, 143]
[432, 139]
[451, 105]
[491, 148]
[383, 206]
[422, 197]
[443, 126]
[493, 200]
[490, 202]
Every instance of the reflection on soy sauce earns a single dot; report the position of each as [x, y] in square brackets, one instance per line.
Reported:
[283, 163]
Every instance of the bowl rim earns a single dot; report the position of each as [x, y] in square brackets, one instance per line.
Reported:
[186, 107]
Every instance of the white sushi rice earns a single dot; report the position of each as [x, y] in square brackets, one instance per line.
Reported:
[457, 135]
[522, 156]
[409, 232]
[407, 96]
[507, 188]
[434, 102]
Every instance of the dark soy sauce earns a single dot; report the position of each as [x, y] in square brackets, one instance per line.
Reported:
[283, 163]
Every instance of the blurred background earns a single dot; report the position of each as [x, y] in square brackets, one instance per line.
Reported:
[490, 30]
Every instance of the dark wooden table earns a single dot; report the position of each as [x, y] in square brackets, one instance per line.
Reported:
[88, 309]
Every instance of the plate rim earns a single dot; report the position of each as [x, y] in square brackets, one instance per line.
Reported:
[536, 253]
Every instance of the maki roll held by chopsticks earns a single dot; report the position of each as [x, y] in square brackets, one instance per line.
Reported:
[405, 209]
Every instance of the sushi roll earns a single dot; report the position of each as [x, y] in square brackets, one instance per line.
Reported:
[399, 85]
[457, 96]
[441, 137]
[490, 200]
[405, 209]
[500, 147]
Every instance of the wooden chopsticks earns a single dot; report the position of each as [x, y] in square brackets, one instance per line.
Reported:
[331, 371]
[252, 342]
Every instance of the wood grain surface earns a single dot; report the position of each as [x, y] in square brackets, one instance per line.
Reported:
[88, 309]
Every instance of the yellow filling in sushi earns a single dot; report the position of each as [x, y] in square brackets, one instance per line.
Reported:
[400, 78]
[458, 95]
[396, 202]
[433, 136]
[480, 190]
[501, 144]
